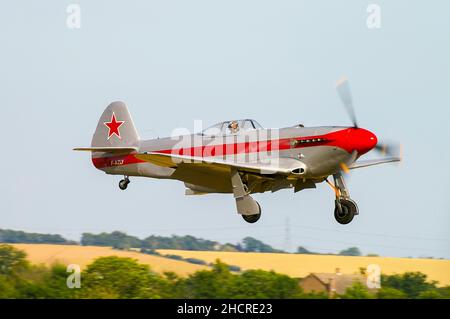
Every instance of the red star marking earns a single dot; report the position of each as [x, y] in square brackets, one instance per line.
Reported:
[113, 126]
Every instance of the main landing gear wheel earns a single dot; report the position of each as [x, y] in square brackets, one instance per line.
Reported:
[253, 218]
[344, 211]
[123, 184]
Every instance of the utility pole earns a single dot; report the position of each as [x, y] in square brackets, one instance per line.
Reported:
[287, 236]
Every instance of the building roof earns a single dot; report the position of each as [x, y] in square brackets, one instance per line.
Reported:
[341, 281]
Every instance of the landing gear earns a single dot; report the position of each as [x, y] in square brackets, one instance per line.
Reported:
[344, 211]
[245, 204]
[123, 184]
[253, 218]
[345, 208]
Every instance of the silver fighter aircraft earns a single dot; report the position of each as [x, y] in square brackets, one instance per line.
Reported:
[240, 157]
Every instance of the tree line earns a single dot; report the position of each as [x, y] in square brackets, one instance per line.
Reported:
[15, 237]
[117, 277]
[121, 240]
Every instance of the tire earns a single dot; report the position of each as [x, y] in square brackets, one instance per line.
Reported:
[349, 209]
[253, 218]
[353, 207]
[123, 184]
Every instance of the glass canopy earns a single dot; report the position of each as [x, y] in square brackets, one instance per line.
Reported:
[232, 127]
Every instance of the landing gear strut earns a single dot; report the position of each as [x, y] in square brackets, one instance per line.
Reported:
[345, 208]
[245, 204]
[123, 184]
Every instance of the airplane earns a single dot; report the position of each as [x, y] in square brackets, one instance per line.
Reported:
[240, 157]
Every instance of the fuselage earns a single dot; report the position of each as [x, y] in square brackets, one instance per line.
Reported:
[321, 151]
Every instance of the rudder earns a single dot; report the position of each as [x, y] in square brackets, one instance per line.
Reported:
[115, 128]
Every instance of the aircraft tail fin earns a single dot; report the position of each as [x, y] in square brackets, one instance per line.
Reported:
[115, 128]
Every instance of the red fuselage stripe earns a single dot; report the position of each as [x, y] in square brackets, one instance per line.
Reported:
[337, 139]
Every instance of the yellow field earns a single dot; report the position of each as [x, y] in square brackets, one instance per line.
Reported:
[83, 255]
[296, 265]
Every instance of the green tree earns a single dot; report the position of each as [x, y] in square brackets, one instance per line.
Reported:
[116, 277]
[430, 294]
[357, 291]
[115, 239]
[265, 284]
[14, 236]
[179, 242]
[12, 260]
[303, 250]
[214, 284]
[54, 284]
[444, 292]
[390, 293]
[228, 247]
[352, 251]
[251, 244]
[44, 282]
[411, 283]
[7, 288]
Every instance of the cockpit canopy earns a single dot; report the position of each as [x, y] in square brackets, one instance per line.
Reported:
[232, 127]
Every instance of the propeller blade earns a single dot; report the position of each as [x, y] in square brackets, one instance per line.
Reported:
[345, 165]
[345, 168]
[343, 89]
[389, 149]
[393, 150]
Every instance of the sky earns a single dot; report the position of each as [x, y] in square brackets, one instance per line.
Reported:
[174, 62]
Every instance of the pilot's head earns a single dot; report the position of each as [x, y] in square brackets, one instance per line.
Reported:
[233, 126]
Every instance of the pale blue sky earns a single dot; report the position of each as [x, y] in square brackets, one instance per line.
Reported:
[174, 62]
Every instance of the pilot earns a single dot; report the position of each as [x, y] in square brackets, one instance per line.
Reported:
[234, 127]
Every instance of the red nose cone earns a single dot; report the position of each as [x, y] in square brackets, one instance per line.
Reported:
[361, 140]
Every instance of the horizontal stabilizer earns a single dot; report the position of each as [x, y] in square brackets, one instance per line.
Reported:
[128, 149]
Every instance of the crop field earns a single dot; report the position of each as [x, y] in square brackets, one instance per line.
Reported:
[299, 265]
[83, 255]
[294, 265]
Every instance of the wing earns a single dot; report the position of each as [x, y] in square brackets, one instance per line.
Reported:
[359, 164]
[274, 166]
[212, 175]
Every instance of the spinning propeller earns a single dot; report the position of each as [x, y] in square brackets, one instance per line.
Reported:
[389, 150]
[343, 89]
